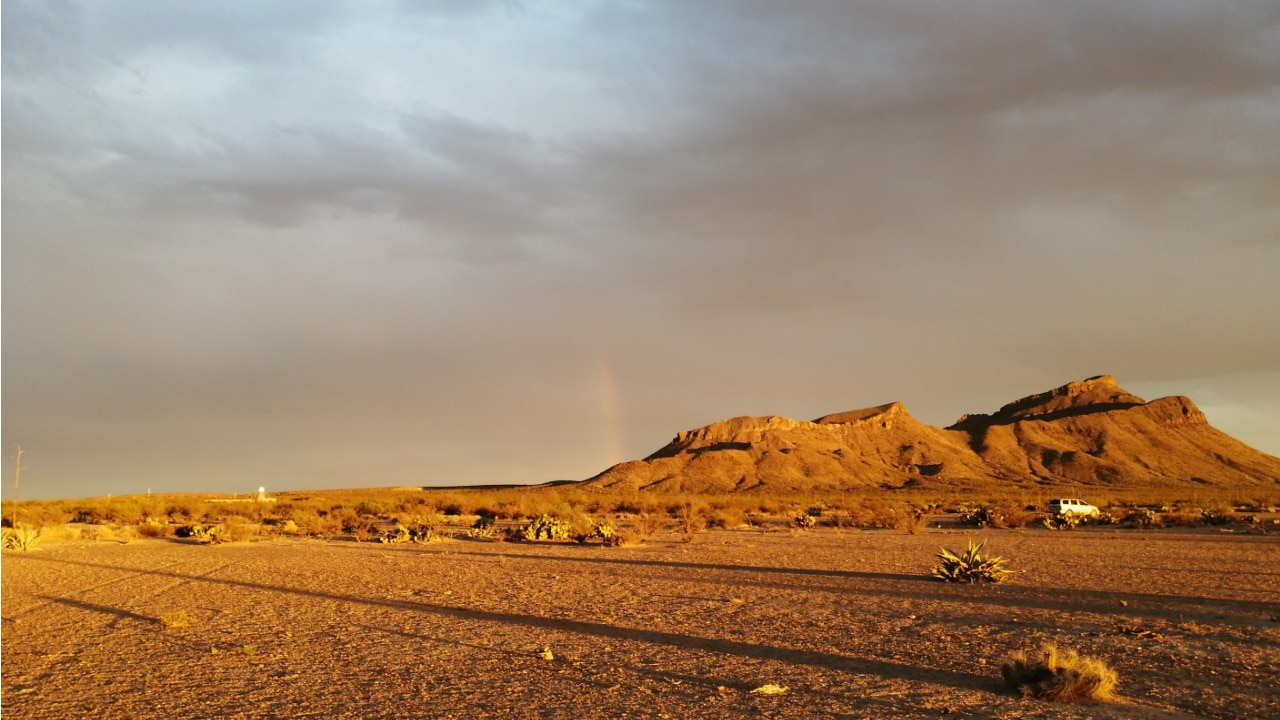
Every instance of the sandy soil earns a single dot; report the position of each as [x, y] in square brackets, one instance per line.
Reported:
[844, 619]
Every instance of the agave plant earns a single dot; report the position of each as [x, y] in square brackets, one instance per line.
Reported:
[23, 537]
[970, 566]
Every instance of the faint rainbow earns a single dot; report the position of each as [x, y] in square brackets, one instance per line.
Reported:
[611, 410]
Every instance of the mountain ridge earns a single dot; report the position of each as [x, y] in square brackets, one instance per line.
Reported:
[1089, 432]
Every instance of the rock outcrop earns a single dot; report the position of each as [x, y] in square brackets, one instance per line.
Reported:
[1086, 433]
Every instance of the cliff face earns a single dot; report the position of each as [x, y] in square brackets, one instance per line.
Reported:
[1089, 432]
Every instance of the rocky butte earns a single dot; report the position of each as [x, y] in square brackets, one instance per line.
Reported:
[1086, 433]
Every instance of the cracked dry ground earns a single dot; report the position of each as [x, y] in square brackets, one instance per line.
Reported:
[846, 620]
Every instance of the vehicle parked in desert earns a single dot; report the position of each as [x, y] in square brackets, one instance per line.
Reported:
[1072, 506]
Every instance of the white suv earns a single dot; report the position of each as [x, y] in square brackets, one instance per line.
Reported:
[1068, 506]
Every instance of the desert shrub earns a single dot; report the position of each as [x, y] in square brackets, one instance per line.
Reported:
[128, 511]
[1142, 518]
[1066, 521]
[691, 518]
[424, 533]
[94, 516]
[909, 522]
[236, 531]
[726, 517]
[986, 516]
[318, 523]
[218, 534]
[629, 507]
[483, 527]
[370, 508]
[546, 527]
[153, 527]
[1107, 517]
[879, 515]
[769, 506]
[124, 533]
[185, 511]
[1216, 516]
[1060, 676]
[420, 533]
[362, 527]
[600, 530]
[803, 521]
[288, 527]
[970, 566]
[643, 526]
[398, 534]
[1182, 517]
[607, 534]
[46, 514]
[23, 537]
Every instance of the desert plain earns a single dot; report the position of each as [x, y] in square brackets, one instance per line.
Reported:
[829, 622]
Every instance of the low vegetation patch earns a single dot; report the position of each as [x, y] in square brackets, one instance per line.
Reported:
[1060, 676]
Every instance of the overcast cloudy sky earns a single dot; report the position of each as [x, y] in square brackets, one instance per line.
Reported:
[335, 244]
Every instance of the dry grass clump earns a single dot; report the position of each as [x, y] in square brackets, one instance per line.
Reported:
[1060, 676]
[175, 619]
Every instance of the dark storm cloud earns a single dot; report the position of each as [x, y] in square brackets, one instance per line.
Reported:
[431, 233]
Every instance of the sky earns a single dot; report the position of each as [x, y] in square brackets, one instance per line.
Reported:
[311, 244]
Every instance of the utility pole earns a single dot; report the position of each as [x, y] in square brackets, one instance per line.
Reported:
[17, 484]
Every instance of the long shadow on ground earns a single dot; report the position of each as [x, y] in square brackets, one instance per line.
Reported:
[1005, 595]
[844, 663]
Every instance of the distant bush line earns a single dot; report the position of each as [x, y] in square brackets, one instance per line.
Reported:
[401, 514]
